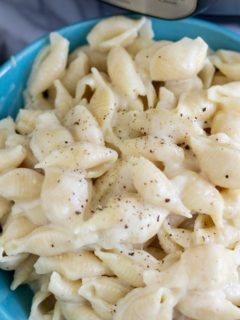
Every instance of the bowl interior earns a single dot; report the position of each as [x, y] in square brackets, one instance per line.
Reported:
[13, 78]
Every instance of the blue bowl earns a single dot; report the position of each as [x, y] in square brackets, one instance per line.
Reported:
[13, 78]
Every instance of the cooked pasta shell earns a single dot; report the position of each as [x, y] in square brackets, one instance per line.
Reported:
[210, 235]
[77, 68]
[165, 64]
[125, 219]
[226, 95]
[219, 79]
[7, 127]
[179, 86]
[123, 127]
[102, 308]
[115, 31]
[218, 268]
[167, 99]
[39, 102]
[227, 121]
[12, 157]
[129, 266]
[231, 203]
[175, 239]
[83, 125]
[77, 311]
[65, 195]
[209, 305]
[15, 228]
[26, 120]
[143, 57]
[97, 59]
[155, 188]
[222, 165]
[228, 62]
[123, 267]
[57, 313]
[64, 289]
[206, 232]
[196, 106]
[15, 139]
[32, 210]
[108, 289]
[5, 206]
[151, 302]
[22, 184]
[103, 106]
[65, 265]
[144, 39]
[94, 158]
[41, 284]
[143, 258]
[207, 73]
[198, 195]
[150, 276]
[11, 262]
[63, 101]
[42, 306]
[50, 66]
[24, 272]
[167, 125]
[113, 183]
[30, 161]
[123, 74]
[232, 294]
[43, 241]
[85, 89]
[169, 245]
[154, 149]
[48, 135]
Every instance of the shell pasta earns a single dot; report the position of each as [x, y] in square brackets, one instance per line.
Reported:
[120, 179]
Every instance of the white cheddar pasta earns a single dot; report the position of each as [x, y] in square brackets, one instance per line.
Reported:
[120, 179]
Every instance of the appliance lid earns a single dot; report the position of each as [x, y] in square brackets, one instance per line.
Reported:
[166, 9]
[177, 9]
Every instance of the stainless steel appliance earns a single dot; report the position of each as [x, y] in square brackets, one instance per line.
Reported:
[177, 9]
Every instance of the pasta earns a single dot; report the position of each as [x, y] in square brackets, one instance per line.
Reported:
[120, 179]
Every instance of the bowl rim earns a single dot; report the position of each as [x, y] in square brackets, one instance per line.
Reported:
[235, 36]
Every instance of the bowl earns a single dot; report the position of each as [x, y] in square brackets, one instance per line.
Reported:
[13, 78]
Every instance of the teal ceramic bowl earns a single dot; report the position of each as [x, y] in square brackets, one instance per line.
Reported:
[13, 78]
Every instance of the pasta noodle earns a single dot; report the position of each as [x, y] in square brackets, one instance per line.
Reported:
[120, 179]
